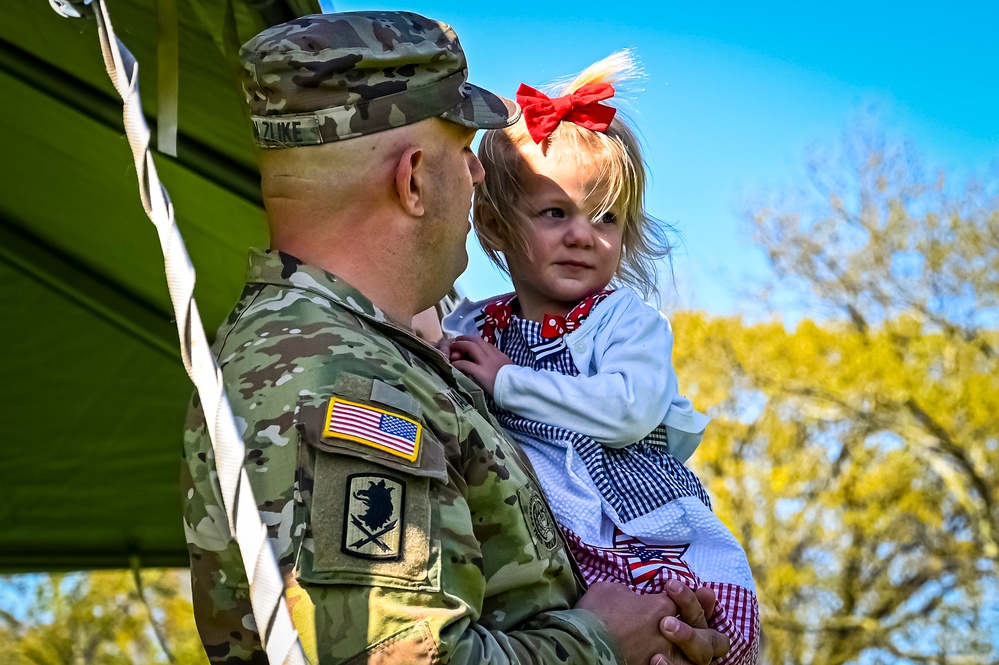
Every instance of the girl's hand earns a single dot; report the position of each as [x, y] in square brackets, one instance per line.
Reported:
[475, 357]
[444, 346]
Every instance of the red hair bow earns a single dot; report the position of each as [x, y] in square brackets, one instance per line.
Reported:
[542, 114]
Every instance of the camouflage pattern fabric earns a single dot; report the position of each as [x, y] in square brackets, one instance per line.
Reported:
[441, 549]
[330, 77]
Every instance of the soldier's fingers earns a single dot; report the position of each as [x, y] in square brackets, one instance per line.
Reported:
[720, 644]
[673, 656]
[689, 631]
[700, 645]
[695, 645]
[688, 604]
[706, 597]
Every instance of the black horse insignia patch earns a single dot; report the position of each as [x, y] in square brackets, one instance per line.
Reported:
[373, 516]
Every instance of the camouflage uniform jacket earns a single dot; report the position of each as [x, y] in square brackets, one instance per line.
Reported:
[409, 529]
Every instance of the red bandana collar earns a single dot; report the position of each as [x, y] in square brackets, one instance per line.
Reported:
[496, 317]
[554, 325]
[498, 314]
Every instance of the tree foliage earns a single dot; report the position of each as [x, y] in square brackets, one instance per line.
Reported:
[857, 455]
[99, 619]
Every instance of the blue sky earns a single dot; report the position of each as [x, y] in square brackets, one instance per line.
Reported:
[736, 92]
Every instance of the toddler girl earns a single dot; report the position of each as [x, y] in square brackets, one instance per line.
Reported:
[580, 374]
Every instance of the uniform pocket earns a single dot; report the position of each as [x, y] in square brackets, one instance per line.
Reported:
[369, 518]
[413, 645]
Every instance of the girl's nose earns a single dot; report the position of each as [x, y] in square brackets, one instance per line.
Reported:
[579, 232]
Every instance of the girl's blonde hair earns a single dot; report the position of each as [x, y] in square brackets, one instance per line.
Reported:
[499, 211]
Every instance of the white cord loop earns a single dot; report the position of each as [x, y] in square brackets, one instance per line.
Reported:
[270, 612]
[71, 8]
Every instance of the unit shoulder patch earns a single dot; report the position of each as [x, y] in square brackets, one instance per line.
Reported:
[390, 432]
[373, 516]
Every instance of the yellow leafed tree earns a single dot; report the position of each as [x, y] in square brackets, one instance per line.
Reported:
[99, 619]
[858, 458]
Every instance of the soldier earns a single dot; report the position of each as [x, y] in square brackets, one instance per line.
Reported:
[408, 528]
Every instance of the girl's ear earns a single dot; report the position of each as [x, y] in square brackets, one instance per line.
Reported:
[411, 181]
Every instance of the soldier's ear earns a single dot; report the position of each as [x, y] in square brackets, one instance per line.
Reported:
[486, 218]
[411, 181]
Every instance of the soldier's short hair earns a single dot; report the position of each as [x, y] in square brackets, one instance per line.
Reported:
[331, 77]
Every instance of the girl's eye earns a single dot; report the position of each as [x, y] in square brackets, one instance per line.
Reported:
[608, 218]
[554, 213]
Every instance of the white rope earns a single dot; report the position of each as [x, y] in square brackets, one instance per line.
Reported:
[270, 612]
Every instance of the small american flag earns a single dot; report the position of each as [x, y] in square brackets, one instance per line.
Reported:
[369, 425]
[645, 561]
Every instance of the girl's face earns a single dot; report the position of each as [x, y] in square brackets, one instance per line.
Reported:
[572, 255]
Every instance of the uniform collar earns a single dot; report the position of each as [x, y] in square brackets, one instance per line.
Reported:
[271, 266]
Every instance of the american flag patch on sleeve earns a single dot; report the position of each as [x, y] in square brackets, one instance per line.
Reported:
[390, 432]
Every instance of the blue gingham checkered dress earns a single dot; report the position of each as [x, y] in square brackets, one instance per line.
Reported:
[634, 480]
[663, 527]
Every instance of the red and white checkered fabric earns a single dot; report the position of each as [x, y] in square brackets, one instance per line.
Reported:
[631, 563]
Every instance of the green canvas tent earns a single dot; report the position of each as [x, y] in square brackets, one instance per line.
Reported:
[93, 391]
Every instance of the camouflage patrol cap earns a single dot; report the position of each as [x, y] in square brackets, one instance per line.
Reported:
[331, 77]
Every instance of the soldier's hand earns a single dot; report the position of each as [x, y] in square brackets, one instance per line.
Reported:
[632, 620]
[691, 639]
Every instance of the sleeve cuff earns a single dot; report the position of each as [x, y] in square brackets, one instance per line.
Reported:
[587, 623]
[500, 385]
